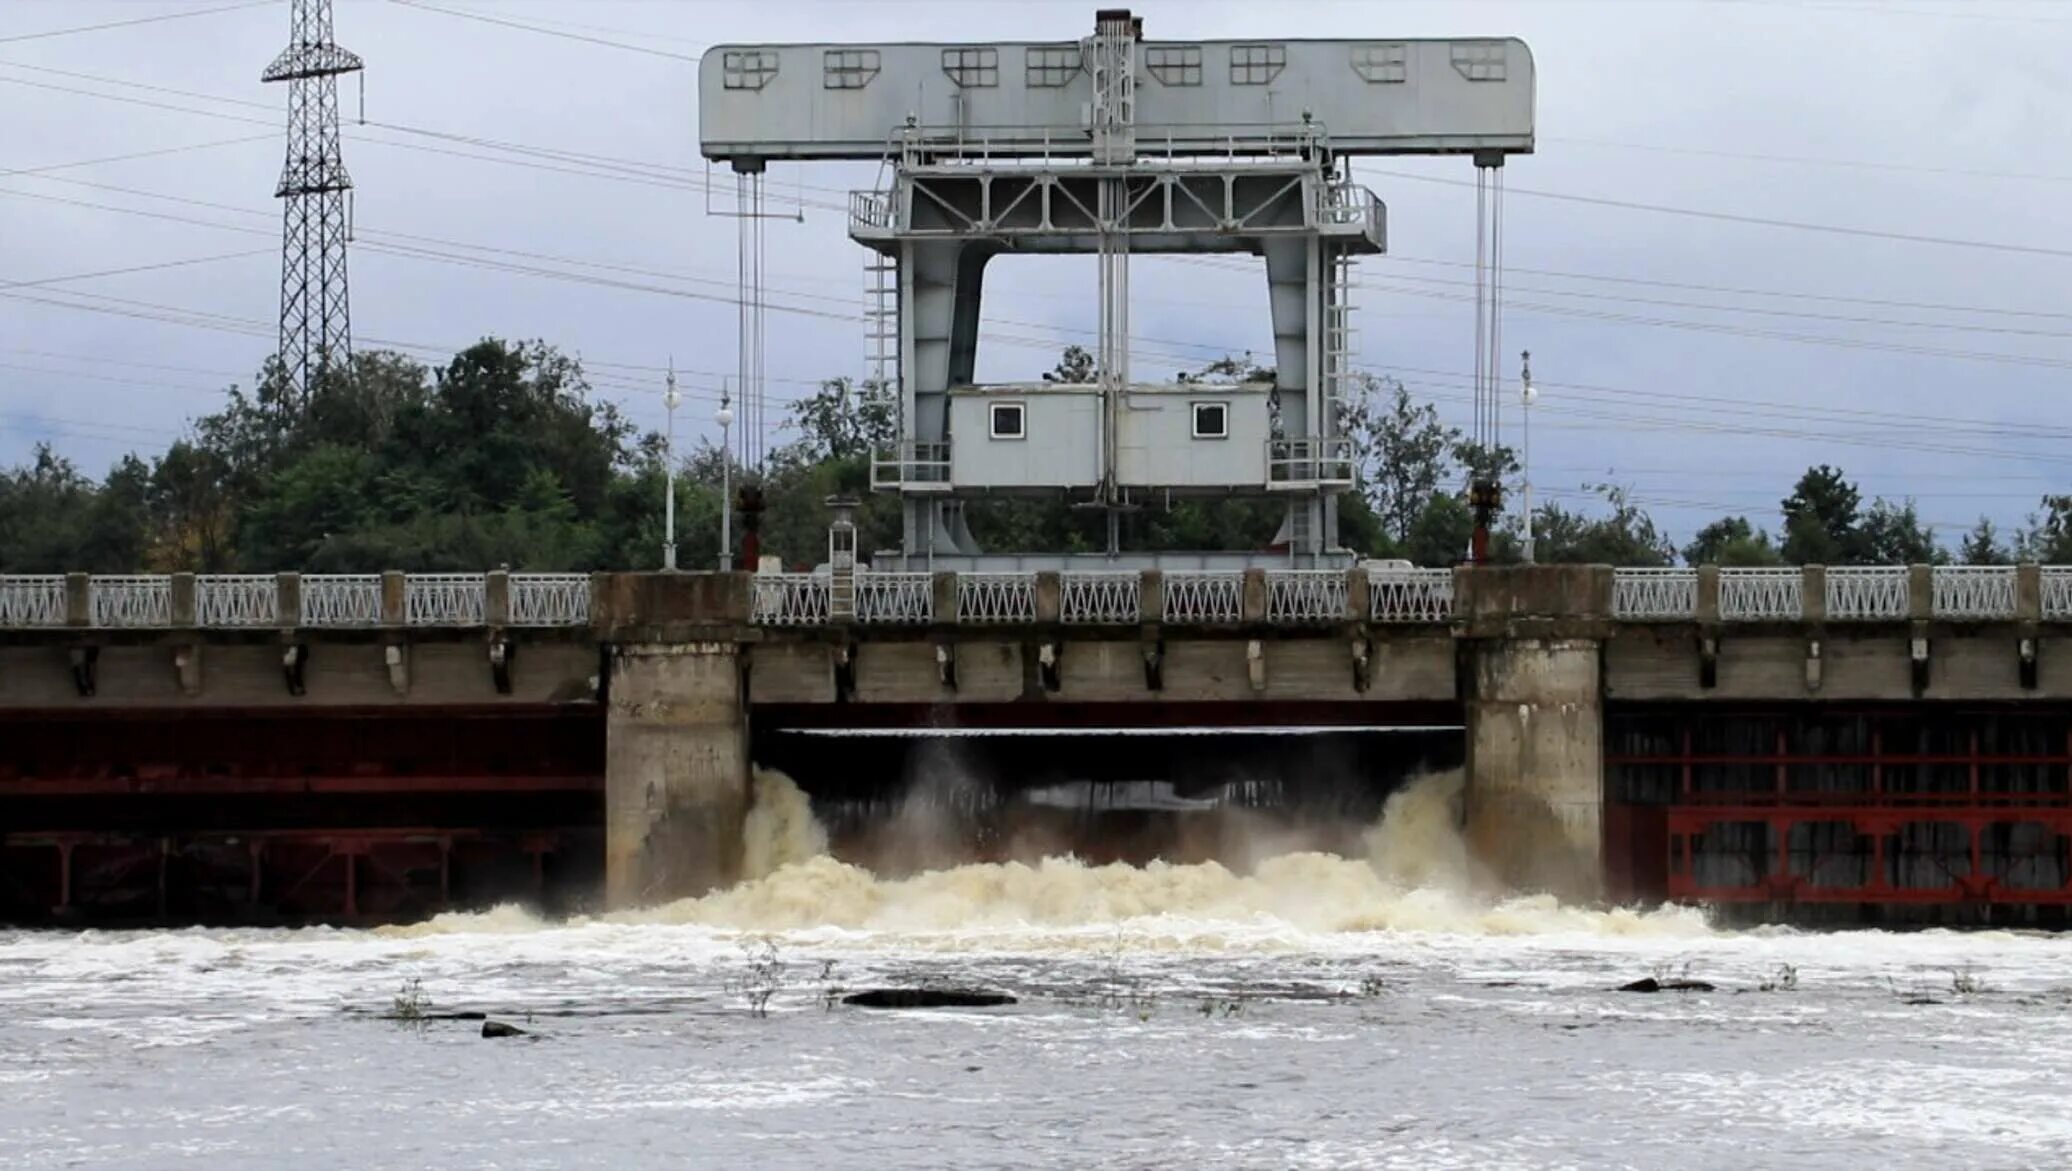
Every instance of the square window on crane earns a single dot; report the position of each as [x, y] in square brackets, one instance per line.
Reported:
[1174, 64]
[974, 68]
[1257, 64]
[1050, 66]
[1009, 421]
[1211, 420]
[848, 68]
[747, 68]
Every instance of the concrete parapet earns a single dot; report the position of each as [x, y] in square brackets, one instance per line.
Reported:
[1813, 594]
[1151, 596]
[676, 771]
[395, 599]
[669, 607]
[1706, 612]
[1533, 600]
[287, 594]
[943, 596]
[79, 599]
[1050, 596]
[2028, 592]
[496, 597]
[180, 592]
[1252, 601]
[1359, 594]
[1920, 592]
[1535, 773]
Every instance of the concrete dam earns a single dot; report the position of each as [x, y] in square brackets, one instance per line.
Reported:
[1809, 744]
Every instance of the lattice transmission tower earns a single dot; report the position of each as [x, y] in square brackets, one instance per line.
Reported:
[316, 316]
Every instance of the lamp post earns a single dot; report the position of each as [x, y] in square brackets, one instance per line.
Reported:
[670, 401]
[1527, 394]
[725, 418]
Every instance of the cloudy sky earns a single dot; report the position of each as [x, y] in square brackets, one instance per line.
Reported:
[1757, 234]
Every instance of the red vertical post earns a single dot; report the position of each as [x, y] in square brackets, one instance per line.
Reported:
[1686, 780]
[64, 876]
[1783, 747]
[352, 883]
[1877, 760]
[1974, 770]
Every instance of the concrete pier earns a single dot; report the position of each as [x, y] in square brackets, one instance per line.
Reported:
[676, 771]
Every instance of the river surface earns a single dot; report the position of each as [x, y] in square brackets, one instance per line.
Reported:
[1310, 1012]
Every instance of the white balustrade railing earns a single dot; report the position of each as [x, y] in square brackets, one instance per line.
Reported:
[1111, 598]
[1761, 595]
[130, 599]
[1650, 594]
[1305, 595]
[789, 599]
[548, 599]
[1974, 593]
[32, 599]
[1867, 593]
[341, 599]
[2057, 593]
[893, 598]
[1410, 595]
[1204, 595]
[996, 597]
[445, 599]
[241, 599]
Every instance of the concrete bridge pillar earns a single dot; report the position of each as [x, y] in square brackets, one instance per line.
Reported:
[1531, 677]
[676, 773]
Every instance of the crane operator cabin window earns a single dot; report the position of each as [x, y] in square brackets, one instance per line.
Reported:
[1212, 420]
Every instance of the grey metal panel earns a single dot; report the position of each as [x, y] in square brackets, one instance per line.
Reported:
[1060, 447]
[1157, 448]
[1370, 97]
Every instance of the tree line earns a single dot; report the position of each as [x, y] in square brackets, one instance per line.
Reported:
[504, 457]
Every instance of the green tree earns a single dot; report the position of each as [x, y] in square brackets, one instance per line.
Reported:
[1892, 534]
[1402, 452]
[1821, 518]
[1731, 541]
[2048, 537]
[1982, 546]
[1627, 536]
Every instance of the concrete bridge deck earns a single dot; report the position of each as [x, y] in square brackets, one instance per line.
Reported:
[668, 671]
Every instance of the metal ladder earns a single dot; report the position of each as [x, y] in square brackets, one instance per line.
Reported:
[881, 316]
[1338, 341]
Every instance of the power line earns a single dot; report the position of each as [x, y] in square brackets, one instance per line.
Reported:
[1737, 218]
[44, 170]
[94, 28]
[544, 31]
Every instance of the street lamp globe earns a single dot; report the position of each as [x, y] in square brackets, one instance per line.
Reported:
[725, 416]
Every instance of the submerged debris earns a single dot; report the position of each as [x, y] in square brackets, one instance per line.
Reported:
[500, 1029]
[927, 998]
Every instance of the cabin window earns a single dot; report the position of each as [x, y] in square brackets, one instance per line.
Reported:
[1009, 421]
[1212, 420]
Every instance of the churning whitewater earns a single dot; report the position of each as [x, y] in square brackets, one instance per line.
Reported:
[1414, 874]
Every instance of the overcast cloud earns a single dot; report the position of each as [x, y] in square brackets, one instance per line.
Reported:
[1955, 110]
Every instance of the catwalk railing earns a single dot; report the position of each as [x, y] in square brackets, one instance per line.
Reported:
[1274, 597]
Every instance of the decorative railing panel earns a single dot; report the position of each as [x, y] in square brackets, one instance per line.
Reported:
[1761, 595]
[243, 599]
[892, 598]
[1204, 595]
[1867, 593]
[1974, 593]
[1651, 594]
[1305, 595]
[445, 599]
[2057, 593]
[1410, 595]
[996, 597]
[341, 599]
[131, 600]
[1101, 598]
[789, 599]
[32, 599]
[549, 599]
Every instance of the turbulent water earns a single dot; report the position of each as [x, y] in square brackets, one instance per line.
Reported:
[1292, 1010]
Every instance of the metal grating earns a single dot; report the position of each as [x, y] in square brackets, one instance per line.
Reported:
[131, 600]
[1305, 595]
[32, 599]
[445, 599]
[789, 599]
[1761, 595]
[895, 598]
[1867, 593]
[243, 599]
[1101, 598]
[1643, 594]
[341, 599]
[1410, 595]
[2057, 593]
[1974, 592]
[549, 599]
[1204, 596]
[996, 597]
